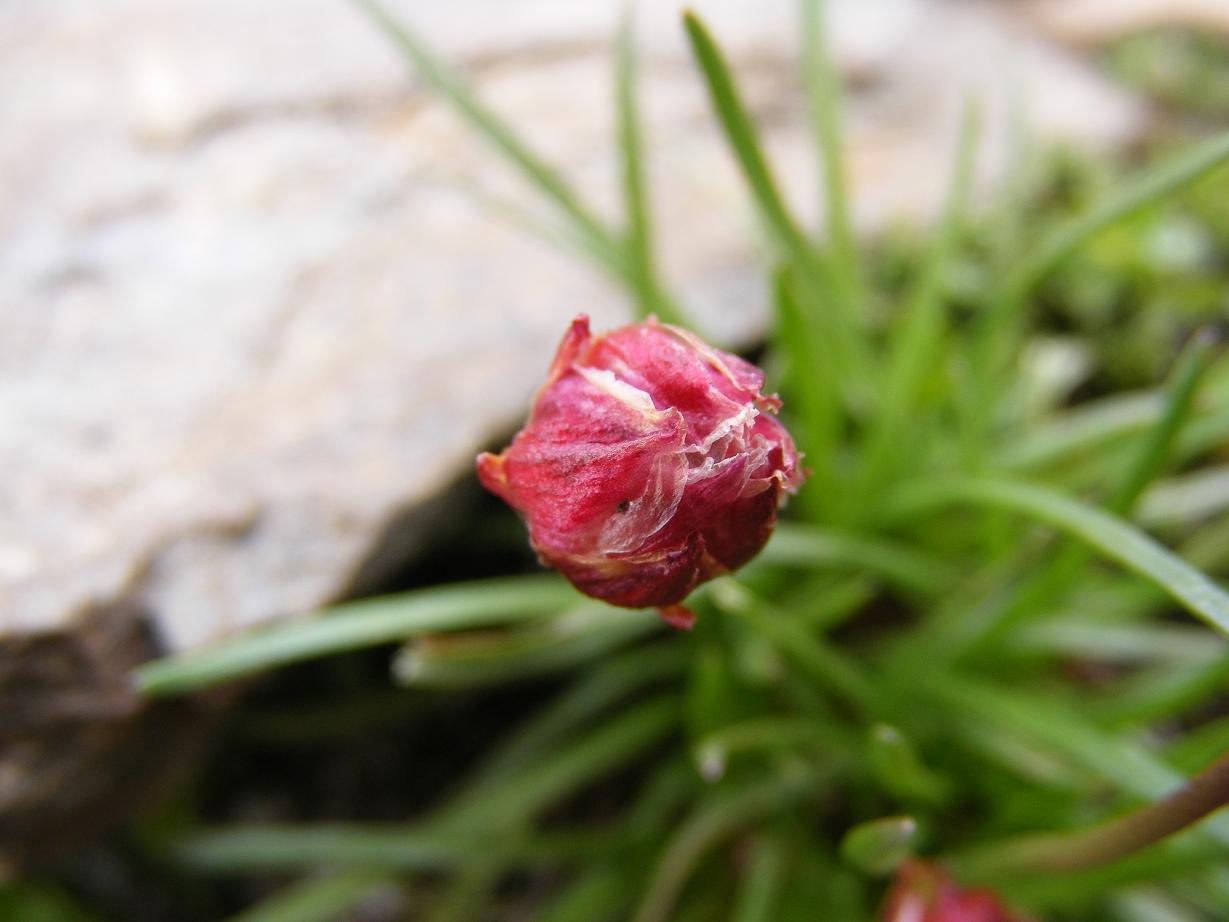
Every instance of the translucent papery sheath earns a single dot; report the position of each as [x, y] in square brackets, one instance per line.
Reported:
[650, 463]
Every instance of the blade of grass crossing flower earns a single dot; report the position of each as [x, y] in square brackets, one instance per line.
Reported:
[1091, 639]
[498, 134]
[824, 103]
[814, 274]
[1113, 537]
[361, 624]
[319, 899]
[915, 348]
[650, 293]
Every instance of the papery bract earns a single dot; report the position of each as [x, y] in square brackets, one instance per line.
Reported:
[925, 893]
[649, 464]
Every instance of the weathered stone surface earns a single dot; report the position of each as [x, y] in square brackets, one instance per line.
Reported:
[1096, 22]
[254, 311]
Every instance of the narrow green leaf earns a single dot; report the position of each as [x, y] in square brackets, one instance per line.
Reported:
[518, 797]
[319, 899]
[810, 388]
[652, 298]
[1113, 537]
[595, 896]
[473, 660]
[814, 275]
[1151, 185]
[899, 564]
[712, 823]
[1186, 500]
[499, 135]
[1148, 461]
[741, 134]
[1050, 724]
[1045, 588]
[824, 103]
[825, 665]
[1082, 429]
[915, 349]
[576, 707]
[375, 847]
[997, 324]
[360, 624]
[763, 881]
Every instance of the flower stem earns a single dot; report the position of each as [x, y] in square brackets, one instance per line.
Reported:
[1203, 794]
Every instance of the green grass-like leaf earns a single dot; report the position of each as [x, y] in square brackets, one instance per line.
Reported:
[651, 293]
[360, 624]
[824, 104]
[320, 899]
[819, 290]
[1113, 537]
[502, 138]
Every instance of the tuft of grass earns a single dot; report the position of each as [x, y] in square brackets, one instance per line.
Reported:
[991, 615]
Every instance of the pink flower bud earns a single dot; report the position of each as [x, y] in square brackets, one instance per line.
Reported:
[925, 893]
[649, 464]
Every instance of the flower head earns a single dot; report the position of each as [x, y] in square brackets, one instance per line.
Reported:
[650, 463]
[925, 893]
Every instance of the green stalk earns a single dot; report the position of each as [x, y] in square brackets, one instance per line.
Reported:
[711, 824]
[503, 139]
[650, 291]
[824, 104]
[1111, 841]
[916, 347]
[814, 274]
